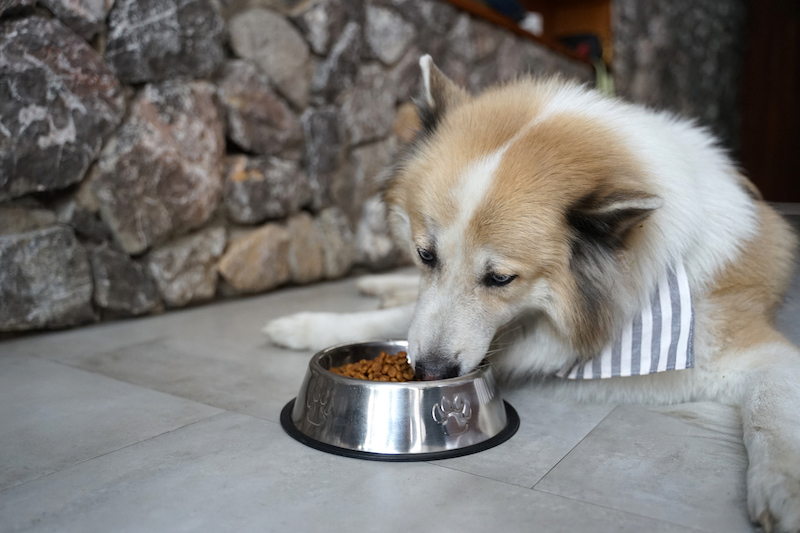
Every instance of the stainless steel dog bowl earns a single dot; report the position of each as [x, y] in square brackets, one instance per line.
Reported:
[411, 421]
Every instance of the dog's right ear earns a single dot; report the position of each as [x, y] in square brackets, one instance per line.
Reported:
[439, 93]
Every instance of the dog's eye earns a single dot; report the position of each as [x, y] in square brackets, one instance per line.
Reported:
[498, 280]
[429, 258]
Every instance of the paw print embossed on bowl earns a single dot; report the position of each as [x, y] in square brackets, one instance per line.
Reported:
[453, 415]
[407, 421]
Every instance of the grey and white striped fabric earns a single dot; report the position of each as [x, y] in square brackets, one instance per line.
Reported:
[659, 338]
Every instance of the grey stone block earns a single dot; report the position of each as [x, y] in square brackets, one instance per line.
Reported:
[59, 103]
[152, 40]
[45, 280]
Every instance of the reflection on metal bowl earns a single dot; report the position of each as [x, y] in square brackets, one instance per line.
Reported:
[410, 421]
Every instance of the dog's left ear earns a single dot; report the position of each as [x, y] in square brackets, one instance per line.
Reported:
[438, 94]
[608, 219]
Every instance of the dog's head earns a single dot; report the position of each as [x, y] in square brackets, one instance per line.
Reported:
[513, 202]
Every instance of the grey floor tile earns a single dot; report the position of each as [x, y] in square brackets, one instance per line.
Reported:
[686, 466]
[549, 429]
[256, 381]
[232, 472]
[91, 339]
[214, 354]
[53, 416]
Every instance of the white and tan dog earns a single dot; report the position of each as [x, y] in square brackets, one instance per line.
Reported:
[541, 214]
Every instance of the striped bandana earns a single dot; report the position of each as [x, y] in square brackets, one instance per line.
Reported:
[659, 338]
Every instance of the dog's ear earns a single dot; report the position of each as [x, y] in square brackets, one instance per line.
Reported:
[607, 219]
[438, 94]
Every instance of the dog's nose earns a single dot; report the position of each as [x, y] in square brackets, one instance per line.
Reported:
[430, 370]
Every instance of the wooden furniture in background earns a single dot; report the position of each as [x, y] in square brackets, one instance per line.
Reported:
[549, 40]
[770, 130]
[563, 18]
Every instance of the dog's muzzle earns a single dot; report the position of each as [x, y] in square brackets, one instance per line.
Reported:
[431, 370]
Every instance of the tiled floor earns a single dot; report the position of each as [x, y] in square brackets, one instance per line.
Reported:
[170, 424]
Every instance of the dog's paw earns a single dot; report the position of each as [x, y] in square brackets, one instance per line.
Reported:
[386, 284]
[304, 331]
[773, 496]
[398, 298]
[372, 285]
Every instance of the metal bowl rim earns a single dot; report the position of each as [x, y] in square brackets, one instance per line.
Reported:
[315, 365]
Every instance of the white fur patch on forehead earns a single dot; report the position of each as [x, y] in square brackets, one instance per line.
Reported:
[474, 185]
[477, 179]
[468, 194]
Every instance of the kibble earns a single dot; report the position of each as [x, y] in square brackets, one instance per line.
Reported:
[385, 367]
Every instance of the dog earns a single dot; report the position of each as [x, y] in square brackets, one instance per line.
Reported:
[541, 214]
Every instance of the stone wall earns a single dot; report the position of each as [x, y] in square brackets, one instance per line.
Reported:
[160, 153]
[683, 55]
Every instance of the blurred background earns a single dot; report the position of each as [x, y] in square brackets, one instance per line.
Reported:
[160, 153]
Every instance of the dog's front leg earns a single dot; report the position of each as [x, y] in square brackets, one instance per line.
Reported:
[315, 331]
[770, 407]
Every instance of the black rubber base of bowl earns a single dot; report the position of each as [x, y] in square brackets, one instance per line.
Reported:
[511, 427]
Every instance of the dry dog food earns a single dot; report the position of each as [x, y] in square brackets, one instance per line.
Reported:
[385, 367]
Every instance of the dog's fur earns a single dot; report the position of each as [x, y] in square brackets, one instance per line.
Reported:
[586, 200]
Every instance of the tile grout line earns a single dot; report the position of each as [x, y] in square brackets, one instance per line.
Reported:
[80, 329]
[121, 347]
[120, 380]
[542, 477]
[87, 371]
[432, 463]
[144, 387]
[623, 511]
[594, 504]
[598, 504]
[112, 451]
[573, 448]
